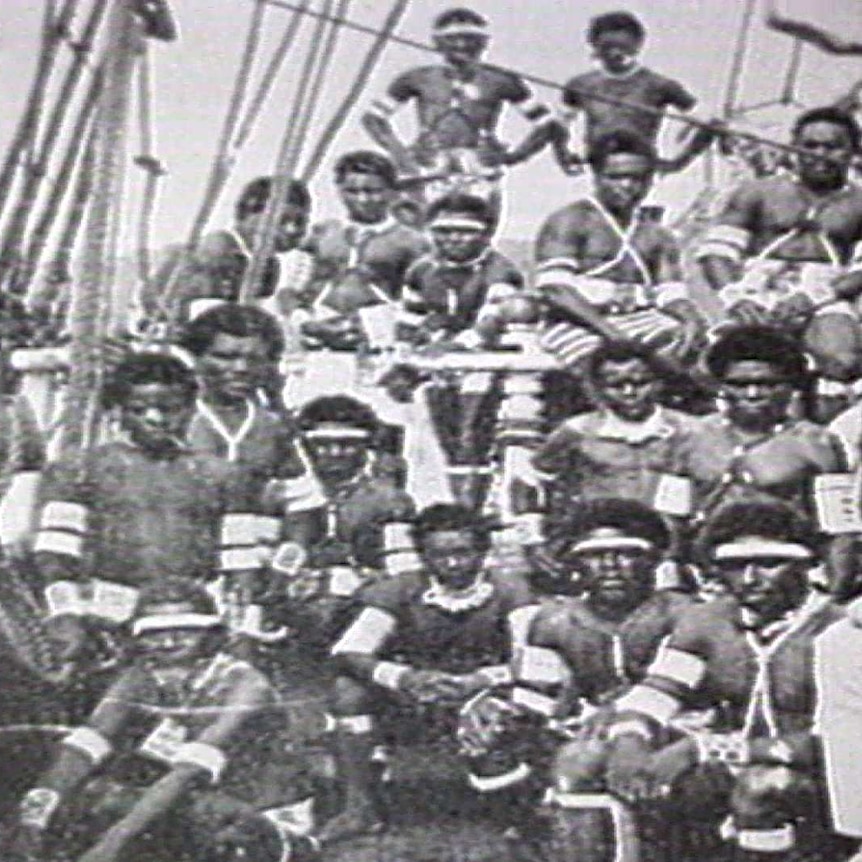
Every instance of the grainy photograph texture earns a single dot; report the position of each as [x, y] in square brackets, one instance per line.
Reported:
[430, 432]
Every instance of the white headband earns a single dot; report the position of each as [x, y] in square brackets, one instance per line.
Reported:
[337, 434]
[462, 29]
[753, 549]
[160, 622]
[611, 543]
[459, 223]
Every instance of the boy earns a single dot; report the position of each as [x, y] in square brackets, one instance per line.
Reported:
[616, 39]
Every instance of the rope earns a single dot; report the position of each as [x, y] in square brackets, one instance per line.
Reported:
[91, 307]
[21, 150]
[359, 83]
[268, 79]
[554, 85]
[289, 151]
[74, 155]
[737, 63]
[794, 66]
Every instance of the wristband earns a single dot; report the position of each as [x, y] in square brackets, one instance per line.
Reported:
[38, 806]
[389, 674]
[210, 758]
[90, 743]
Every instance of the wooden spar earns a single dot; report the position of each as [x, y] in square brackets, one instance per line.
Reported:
[65, 174]
[91, 305]
[356, 88]
[38, 165]
[25, 134]
[288, 159]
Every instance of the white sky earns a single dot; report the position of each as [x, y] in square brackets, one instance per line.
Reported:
[691, 40]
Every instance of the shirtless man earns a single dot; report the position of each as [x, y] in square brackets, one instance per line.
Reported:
[785, 248]
[606, 271]
[458, 104]
[616, 39]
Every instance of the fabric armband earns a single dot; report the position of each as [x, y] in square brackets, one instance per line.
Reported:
[558, 270]
[678, 666]
[724, 241]
[90, 743]
[399, 550]
[210, 758]
[38, 806]
[64, 597]
[541, 666]
[650, 703]
[498, 674]
[113, 602]
[534, 701]
[836, 498]
[389, 674]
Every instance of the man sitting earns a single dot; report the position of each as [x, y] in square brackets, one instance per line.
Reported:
[424, 642]
[605, 271]
[748, 654]
[185, 750]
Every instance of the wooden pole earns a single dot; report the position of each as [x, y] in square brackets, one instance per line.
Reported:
[90, 307]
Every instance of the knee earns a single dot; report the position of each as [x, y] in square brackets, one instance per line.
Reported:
[761, 791]
[348, 697]
[580, 765]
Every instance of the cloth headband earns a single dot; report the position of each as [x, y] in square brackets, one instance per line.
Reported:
[336, 434]
[761, 548]
[462, 30]
[459, 223]
[611, 543]
[160, 622]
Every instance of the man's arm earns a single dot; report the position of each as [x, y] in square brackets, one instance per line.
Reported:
[377, 120]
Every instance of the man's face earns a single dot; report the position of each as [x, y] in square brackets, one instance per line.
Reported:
[616, 577]
[459, 244]
[156, 416]
[453, 557]
[824, 140]
[616, 50]
[623, 181]
[629, 389]
[757, 394]
[767, 586]
[232, 367]
[337, 457]
[289, 231]
[461, 49]
[366, 197]
[170, 647]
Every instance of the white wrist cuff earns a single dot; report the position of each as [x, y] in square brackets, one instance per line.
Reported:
[89, 742]
[388, 674]
[38, 806]
[210, 758]
[64, 597]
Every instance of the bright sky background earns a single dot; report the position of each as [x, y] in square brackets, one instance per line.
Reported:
[691, 40]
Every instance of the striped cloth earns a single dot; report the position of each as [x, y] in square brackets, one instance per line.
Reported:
[569, 343]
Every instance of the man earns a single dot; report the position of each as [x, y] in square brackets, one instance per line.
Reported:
[749, 655]
[185, 751]
[143, 507]
[605, 271]
[359, 263]
[591, 641]
[616, 39]
[428, 640]
[754, 448]
[627, 447]
[458, 106]
[784, 249]
[215, 270]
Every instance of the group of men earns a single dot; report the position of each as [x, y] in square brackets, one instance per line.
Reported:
[678, 636]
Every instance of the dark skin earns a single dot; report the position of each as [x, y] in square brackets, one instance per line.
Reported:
[231, 370]
[366, 197]
[758, 395]
[629, 389]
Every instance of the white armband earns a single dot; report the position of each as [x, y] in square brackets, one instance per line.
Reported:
[388, 674]
[724, 241]
[64, 597]
[38, 806]
[498, 674]
[210, 758]
[670, 291]
[89, 742]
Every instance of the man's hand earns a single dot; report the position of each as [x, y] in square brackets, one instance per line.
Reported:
[431, 686]
[68, 634]
[629, 771]
[748, 312]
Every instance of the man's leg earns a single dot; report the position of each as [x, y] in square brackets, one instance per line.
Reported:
[354, 740]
